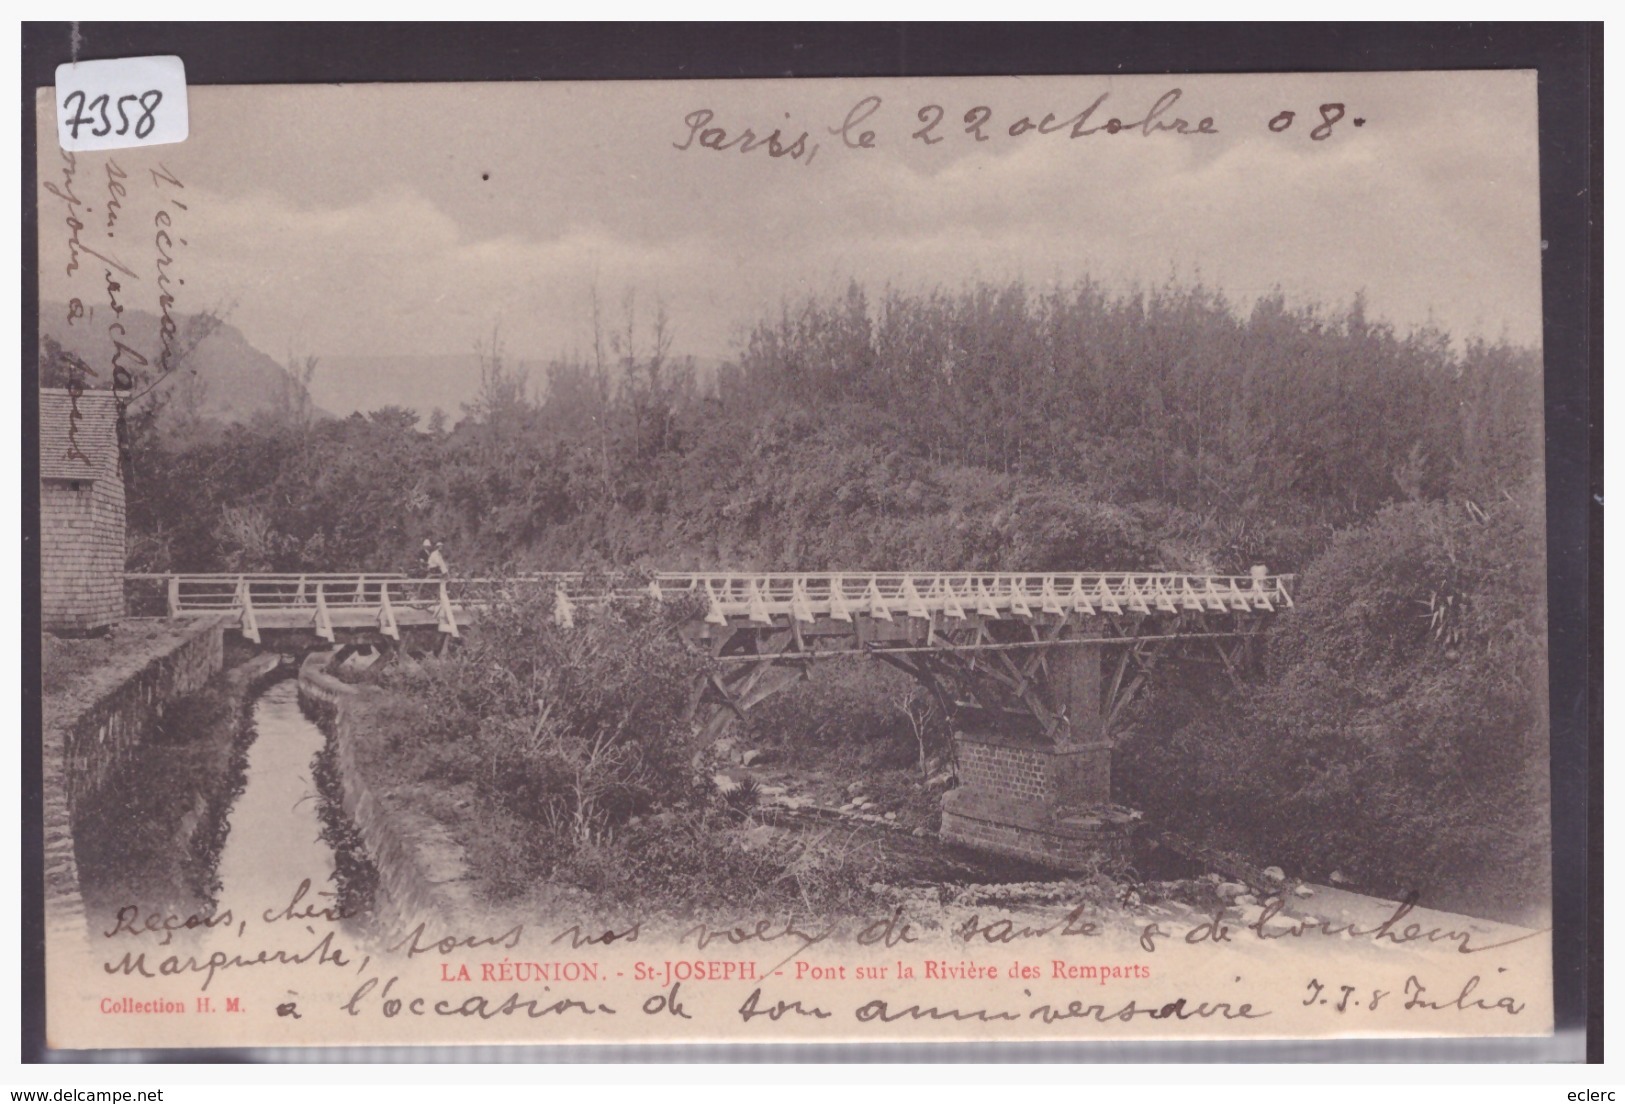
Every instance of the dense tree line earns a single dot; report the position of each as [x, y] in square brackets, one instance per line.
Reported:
[995, 427]
[1400, 728]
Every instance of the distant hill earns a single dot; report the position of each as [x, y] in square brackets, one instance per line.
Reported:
[424, 381]
[233, 380]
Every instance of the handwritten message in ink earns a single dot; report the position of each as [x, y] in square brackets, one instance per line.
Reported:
[1078, 966]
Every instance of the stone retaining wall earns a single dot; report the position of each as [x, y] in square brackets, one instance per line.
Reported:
[83, 744]
[422, 874]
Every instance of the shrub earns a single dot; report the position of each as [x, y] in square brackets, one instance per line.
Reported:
[692, 862]
[1402, 735]
[564, 733]
[850, 715]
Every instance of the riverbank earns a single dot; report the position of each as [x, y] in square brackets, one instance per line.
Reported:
[839, 833]
[151, 833]
[761, 836]
[78, 672]
[102, 697]
[420, 872]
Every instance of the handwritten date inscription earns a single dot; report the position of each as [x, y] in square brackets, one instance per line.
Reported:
[866, 126]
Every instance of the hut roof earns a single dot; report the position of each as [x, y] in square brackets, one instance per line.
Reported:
[82, 448]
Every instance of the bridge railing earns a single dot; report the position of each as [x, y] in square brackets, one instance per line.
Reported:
[204, 593]
[886, 595]
[318, 596]
[754, 596]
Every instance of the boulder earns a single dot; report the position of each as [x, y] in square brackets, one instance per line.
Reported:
[1281, 924]
[747, 758]
[1302, 891]
[1246, 899]
[1275, 874]
[1230, 890]
[891, 816]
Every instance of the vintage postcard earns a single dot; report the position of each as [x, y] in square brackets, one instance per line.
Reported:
[870, 561]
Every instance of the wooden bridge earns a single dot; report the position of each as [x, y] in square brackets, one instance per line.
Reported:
[324, 604]
[1032, 669]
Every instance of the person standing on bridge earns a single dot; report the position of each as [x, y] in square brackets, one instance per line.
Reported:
[423, 572]
[437, 562]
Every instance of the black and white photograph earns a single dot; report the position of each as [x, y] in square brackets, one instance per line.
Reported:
[912, 560]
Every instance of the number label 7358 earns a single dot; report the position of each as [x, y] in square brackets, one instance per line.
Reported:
[122, 102]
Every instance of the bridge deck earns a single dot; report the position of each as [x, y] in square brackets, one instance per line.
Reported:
[326, 602]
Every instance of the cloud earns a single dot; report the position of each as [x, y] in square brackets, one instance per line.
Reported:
[401, 219]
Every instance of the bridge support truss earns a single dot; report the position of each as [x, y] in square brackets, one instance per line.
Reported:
[1033, 673]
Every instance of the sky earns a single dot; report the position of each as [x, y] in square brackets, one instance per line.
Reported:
[408, 220]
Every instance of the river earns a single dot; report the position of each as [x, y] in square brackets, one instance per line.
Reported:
[274, 831]
[220, 810]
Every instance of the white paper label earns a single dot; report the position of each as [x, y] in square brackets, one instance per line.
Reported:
[121, 102]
